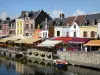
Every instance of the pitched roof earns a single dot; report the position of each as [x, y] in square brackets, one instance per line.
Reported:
[59, 22]
[31, 14]
[92, 17]
[69, 21]
[78, 19]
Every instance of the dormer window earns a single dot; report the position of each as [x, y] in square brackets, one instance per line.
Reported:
[74, 26]
[87, 23]
[95, 22]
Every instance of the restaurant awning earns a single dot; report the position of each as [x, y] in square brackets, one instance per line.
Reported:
[78, 40]
[6, 39]
[28, 40]
[13, 38]
[49, 43]
[64, 39]
[93, 43]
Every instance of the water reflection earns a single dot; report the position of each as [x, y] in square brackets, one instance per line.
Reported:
[30, 66]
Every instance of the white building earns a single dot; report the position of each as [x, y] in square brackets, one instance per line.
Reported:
[61, 31]
[74, 30]
[70, 31]
[43, 34]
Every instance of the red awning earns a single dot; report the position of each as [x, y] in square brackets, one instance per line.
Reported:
[79, 40]
[64, 39]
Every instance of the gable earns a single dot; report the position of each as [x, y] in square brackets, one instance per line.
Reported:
[74, 26]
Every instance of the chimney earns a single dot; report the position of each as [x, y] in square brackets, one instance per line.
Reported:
[62, 16]
[7, 18]
[46, 23]
[45, 20]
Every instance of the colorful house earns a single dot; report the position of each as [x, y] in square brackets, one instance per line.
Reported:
[89, 26]
[69, 27]
[61, 31]
[32, 20]
[19, 27]
[74, 22]
[12, 27]
[88, 31]
[5, 26]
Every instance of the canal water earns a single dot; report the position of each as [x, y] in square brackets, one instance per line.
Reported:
[30, 66]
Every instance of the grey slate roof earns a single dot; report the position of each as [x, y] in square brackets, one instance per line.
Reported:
[92, 17]
[31, 14]
[59, 22]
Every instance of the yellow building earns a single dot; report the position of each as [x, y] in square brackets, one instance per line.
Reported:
[88, 31]
[19, 27]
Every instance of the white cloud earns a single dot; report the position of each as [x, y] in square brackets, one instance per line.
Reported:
[55, 13]
[79, 12]
[14, 17]
[3, 15]
[94, 12]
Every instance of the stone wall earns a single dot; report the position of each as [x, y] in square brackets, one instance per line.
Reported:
[91, 59]
[30, 53]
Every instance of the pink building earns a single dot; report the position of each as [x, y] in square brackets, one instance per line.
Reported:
[5, 29]
[0, 32]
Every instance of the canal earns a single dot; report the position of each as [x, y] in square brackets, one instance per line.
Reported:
[30, 66]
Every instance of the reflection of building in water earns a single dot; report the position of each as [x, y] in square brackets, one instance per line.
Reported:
[19, 67]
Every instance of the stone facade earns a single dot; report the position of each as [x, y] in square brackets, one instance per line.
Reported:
[90, 59]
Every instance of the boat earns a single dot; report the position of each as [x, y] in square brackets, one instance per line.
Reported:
[59, 62]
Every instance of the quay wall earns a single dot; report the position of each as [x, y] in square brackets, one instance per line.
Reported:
[90, 59]
[8, 54]
[46, 54]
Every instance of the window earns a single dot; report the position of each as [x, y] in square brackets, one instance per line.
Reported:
[67, 34]
[95, 22]
[27, 34]
[92, 34]
[74, 34]
[30, 33]
[45, 34]
[20, 23]
[21, 31]
[58, 33]
[86, 22]
[84, 34]
[17, 31]
[31, 26]
[27, 26]
[74, 26]
[13, 24]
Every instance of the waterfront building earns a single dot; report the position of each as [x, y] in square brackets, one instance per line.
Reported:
[19, 27]
[32, 20]
[88, 31]
[0, 32]
[5, 26]
[12, 27]
[89, 26]
[74, 22]
[51, 28]
[98, 28]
